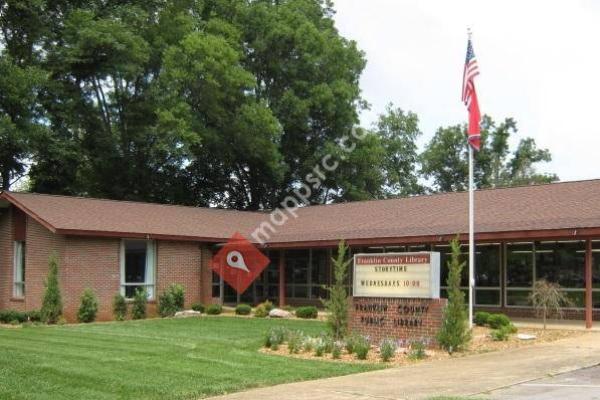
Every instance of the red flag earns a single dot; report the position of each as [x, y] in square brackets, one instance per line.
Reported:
[469, 97]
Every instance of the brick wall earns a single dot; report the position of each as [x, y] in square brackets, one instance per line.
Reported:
[397, 318]
[180, 262]
[93, 263]
[6, 257]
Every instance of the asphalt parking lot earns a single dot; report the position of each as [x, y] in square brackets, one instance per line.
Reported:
[583, 384]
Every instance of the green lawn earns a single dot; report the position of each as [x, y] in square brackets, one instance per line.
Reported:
[153, 359]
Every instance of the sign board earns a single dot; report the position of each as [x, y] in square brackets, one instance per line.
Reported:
[408, 275]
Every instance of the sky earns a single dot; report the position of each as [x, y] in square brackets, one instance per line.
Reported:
[539, 63]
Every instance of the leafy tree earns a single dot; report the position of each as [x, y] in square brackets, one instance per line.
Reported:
[548, 299]
[454, 334]
[337, 303]
[445, 158]
[52, 304]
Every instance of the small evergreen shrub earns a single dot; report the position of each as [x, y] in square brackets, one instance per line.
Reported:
[417, 350]
[88, 307]
[454, 334]
[481, 318]
[307, 312]
[198, 307]
[262, 310]
[361, 347]
[496, 321]
[178, 293]
[119, 307]
[337, 303]
[336, 351]
[140, 303]
[34, 316]
[243, 309]
[387, 349]
[214, 309]
[8, 316]
[166, 304]
[501, 334]
[52, 301]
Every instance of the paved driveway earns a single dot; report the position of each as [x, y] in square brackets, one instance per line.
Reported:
[473, 375]
[583, 384]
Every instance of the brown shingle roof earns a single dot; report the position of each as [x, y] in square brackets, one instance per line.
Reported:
[558, 206]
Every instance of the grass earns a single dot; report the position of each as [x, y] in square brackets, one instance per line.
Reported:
[152, 359]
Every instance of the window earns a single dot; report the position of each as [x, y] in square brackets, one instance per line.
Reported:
[19, 269]
[137, 267]
[519, 273]
[487, 274]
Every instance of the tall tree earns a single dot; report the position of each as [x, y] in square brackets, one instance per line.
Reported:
[444, 160]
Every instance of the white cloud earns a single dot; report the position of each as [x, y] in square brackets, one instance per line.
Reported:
[539, 63]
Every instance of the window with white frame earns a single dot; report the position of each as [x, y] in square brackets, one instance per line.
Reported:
[19, 269]
[138, 263]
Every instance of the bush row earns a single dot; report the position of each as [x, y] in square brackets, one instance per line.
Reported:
[502, 327]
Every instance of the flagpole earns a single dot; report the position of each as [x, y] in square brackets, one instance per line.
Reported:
[471, 236]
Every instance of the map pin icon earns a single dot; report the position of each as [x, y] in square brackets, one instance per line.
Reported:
[236, 260]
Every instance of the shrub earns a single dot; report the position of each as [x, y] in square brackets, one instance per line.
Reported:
[548, 299]
[502, 333]
[481, 318]
[9, 316]
[295, 340]
[262, 310]
[417, 350]
[496, 321]
[361, 347]
[119, 307]
[350, 341]
[88, 307]
[52, 301]
[307, 312]
[337, 304]
[214, 309]
[308, 344]
[387, 349]
[140, 302]
[171, 300]
[178, 293]
[454, 333]
[34, 316]
[243, 309]
[274, 337]
[336, 351]
[198, 307]
[320, 347]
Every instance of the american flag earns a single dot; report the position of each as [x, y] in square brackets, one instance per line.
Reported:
[469, 96]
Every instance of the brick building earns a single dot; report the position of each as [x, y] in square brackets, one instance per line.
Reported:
[522, 234]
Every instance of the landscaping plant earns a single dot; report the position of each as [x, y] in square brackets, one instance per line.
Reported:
[361, 347]
[214, 309]
[496, 321]
[387, 349]
[119, 307]
[243, 309]
[417, 350]
[198, 307]
[140, 302]
[307, 312]
[336, 350]
[548, 299]
[52, 301]
[295, 341]
[166, 304]
[481, 318]
[262, 310]
[454, 334]
[337, 304]
[88, 307]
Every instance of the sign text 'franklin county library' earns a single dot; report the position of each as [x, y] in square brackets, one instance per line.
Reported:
[397, 296]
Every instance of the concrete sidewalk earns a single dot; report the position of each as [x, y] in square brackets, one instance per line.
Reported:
[457, 376]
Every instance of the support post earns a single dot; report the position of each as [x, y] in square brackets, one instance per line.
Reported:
[282, 278]
[588, 285]
[471, 237]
